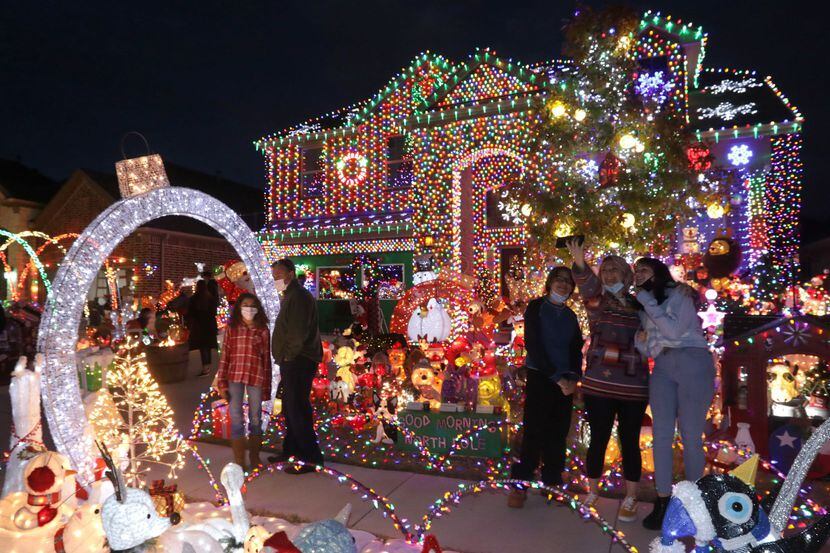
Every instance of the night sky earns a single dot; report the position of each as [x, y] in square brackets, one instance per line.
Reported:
[203, 79]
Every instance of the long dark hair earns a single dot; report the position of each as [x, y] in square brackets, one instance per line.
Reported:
[202, 296]
[662, 277]
[260, 319]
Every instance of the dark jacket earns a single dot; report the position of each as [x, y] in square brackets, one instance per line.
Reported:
[296, 332]
[537, 356]
[201, 322]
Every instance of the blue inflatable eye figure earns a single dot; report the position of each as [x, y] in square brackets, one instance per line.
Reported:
[737, 508]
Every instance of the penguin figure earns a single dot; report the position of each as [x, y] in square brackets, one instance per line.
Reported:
[722, 510]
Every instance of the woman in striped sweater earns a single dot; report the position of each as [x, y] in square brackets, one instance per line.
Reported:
[615, 384]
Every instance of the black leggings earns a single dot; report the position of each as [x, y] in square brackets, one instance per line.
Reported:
[205, 353]
[547, 420]
[601, 413]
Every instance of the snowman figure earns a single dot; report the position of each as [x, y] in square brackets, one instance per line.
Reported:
[424, 269]
[40, 504]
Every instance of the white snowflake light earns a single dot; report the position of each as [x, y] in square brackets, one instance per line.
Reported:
[58, 332]
[727, 111]
[737, 87]
[654, 87]
[739, 155]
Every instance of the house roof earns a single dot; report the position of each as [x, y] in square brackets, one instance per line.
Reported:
[739, 327]
[246, 200]
[20, 182]
[727, 98]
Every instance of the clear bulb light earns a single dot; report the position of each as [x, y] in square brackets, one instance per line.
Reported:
[58, 334]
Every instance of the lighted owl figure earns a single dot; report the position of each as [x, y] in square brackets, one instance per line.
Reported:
[723, 256]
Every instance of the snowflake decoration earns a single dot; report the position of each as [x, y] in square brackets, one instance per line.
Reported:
[587, 168]
[740, 154]
[737, 87]
[304, 128]
[654, 87]
[796, 334]
[510, 209]
[727, 111]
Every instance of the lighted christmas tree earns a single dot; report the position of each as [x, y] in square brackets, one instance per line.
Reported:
[145, 418]
[610, 150]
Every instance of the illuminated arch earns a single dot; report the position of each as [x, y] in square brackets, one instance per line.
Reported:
[18, 238]
[21, 280]
[458, 168]
[58, 334]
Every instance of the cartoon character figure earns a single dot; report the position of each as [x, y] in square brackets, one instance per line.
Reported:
[458, 387]
[339, 391]
[489, 391]
[397, 358]
[385, 410]
[785, 401]
[344, 359]
[427, 384]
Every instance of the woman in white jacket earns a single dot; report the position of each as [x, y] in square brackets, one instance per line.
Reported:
[682, 383]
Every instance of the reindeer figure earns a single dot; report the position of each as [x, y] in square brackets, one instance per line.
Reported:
[27, 435]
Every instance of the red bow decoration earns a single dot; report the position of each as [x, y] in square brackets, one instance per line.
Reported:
[279, 543]
[431, 544]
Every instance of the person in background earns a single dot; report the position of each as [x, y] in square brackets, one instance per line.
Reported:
[179, 303]
[202, 325]
[144, 324]
[245, 365]
[615, 384]
[554, 365]
[683, 380]
[297, 349]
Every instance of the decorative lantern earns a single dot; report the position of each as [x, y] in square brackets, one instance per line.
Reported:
[140, 174]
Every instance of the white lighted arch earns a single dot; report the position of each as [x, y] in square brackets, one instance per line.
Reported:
[58, 332]
[457, 169]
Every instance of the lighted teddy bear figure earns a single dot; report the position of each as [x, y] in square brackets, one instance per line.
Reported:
[489, 391]
[344, 359]
[397, 359]
[785, 401]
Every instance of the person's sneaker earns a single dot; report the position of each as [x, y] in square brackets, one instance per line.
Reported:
[590, 500]
[516, 499]
[628, 510]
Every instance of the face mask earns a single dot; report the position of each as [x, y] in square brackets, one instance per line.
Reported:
[248, 313]
[613, 288]
[281, 285]
[557, 298]
[648, 285]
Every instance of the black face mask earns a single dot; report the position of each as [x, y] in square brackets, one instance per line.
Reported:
[648, 285]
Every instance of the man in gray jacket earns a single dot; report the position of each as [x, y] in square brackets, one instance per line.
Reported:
[297, 349]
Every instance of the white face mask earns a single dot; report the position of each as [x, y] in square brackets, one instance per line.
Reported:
[248, 313]
[613, 288]
[281, 284]
[557, 298]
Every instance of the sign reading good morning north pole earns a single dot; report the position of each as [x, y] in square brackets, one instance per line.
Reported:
[437, 431]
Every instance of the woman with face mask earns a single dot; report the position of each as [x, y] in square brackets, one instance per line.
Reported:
[245, 365]
[554, 365]
[615, 385]
[683, 380]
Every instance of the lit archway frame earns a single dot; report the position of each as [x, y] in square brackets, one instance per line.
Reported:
[58, 334]
[31, 253]
[457, 169]
[21, 281]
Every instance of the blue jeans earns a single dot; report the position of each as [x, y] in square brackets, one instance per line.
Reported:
[236, 393]
[680, 390]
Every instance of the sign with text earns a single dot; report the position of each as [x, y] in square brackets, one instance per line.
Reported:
[437, 431]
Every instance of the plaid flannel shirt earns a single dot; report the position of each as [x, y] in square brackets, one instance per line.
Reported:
[246, 358]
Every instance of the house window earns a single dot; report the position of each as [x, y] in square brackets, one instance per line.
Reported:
[398, 164]
[505, 208]
[391, 286]
[312, 172]
[335, 283]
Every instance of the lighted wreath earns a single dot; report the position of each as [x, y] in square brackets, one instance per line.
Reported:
[352, 168]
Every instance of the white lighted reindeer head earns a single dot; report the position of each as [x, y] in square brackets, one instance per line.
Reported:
[128, 516]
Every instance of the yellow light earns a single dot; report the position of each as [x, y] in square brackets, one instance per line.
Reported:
[580, 114]
[639, 147]
[564, 229]
[628, 220]
[429, 241]
[557, 109]
[526, 210]
[627, 141]
[624, 43]
[715, 211]
[613, 245]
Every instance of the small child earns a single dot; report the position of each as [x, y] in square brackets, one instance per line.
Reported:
[246, 364]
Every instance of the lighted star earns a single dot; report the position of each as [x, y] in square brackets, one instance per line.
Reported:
[712, 318]
[786, 440]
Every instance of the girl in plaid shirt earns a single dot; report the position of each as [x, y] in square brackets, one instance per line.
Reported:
[245, 364]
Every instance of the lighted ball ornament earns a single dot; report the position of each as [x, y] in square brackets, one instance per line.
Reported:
[352, 168]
